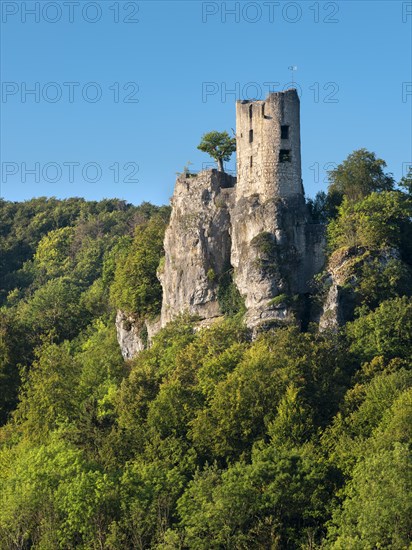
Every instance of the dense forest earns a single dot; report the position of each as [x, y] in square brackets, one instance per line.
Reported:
[298, 439]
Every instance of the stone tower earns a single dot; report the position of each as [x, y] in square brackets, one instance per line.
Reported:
[275, 251]
[268, 146]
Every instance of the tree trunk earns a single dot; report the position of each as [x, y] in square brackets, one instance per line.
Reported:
[220, 165]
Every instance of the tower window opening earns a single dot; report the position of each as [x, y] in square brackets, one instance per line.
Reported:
[250, 136]
[250, 111]
[284, 132]
[263, 109]
[251, 162]
[284, 155]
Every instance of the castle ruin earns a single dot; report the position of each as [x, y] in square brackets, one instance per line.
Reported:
[255, 227]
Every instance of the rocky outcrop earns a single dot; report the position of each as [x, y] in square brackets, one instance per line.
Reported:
[332, 316]
[133, 334]
[197, 245]
[337, 282]
[253, 231]
[274, 252]
[341, 282]
[268, 244]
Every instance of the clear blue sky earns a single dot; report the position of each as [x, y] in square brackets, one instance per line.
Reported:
[353, 60]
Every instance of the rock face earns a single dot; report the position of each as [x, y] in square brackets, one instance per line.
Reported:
[332, 312]
[337, 307]
[255, 227]
[343, 274]
[133, 334]
[197, 244]
[129, 335]
[274, 252]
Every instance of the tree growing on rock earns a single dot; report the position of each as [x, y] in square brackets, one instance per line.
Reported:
[219, 145]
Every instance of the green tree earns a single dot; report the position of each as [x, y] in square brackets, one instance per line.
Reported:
[248, 398]
[293, 423]
[357, 176]
[14, 350]
[370, 239]
[377, 509]
[406, 182]
[219, 145]
[29, 477]
[383, 332]
[49, 395]
[228, 295]
[374, 222]
[52, 498]
[53, 307]
[53, 252]
[271, 502]
[136, 288]
[318, 207]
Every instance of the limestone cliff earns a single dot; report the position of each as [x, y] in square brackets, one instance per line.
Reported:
[275, 252]
[197, 244]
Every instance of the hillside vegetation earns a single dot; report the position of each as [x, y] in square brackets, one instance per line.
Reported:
[206, 440]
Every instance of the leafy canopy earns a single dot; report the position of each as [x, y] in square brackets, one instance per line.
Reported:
[360, 174]
[219, 145]
[136, 288]
[208, 439]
